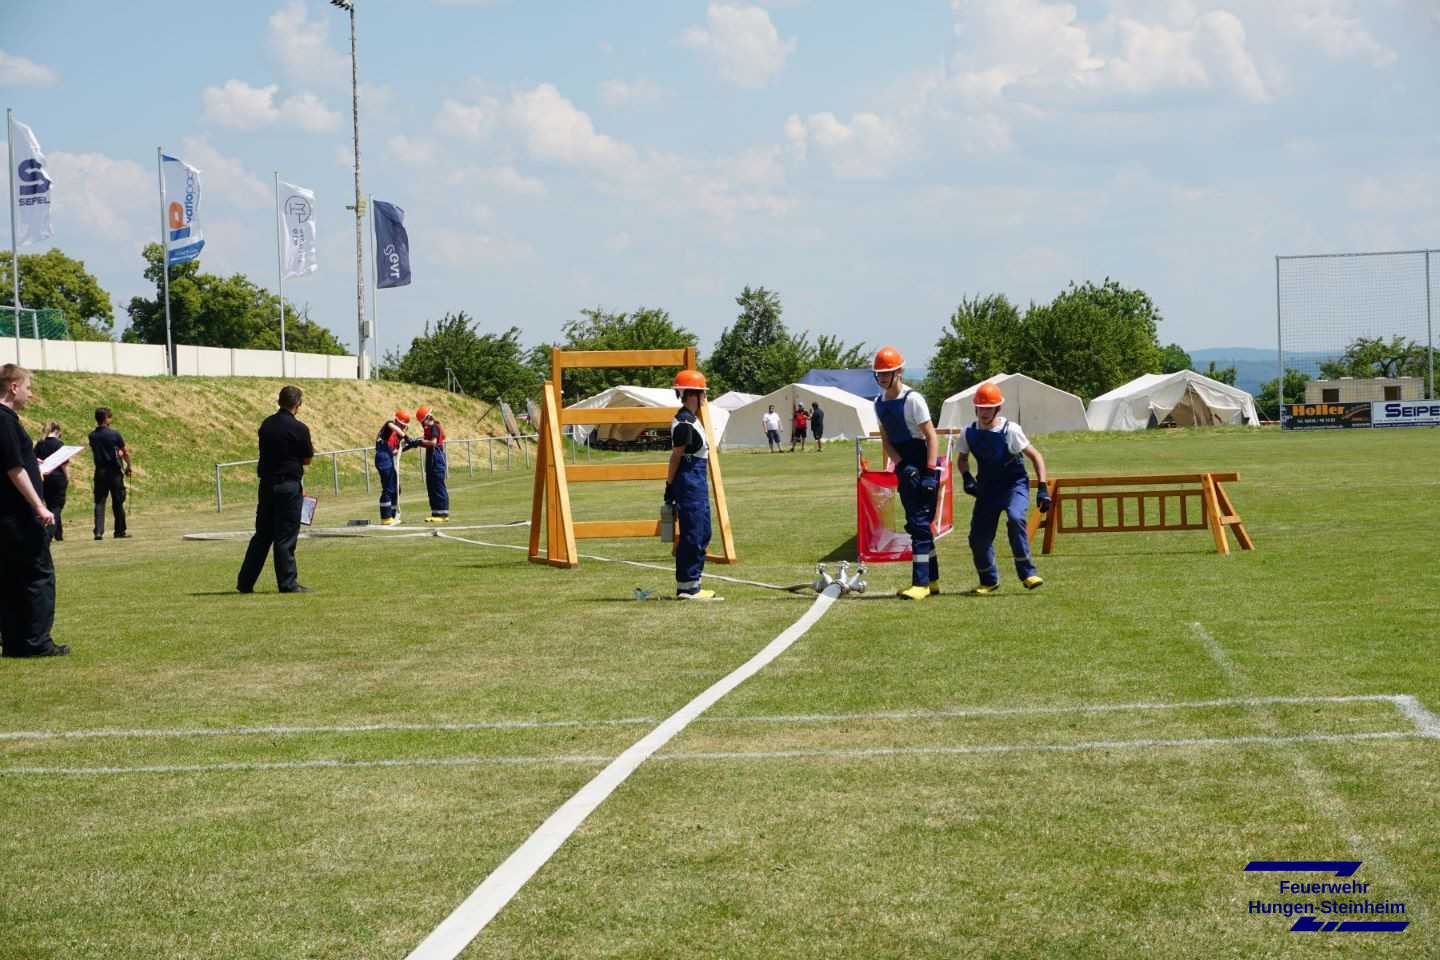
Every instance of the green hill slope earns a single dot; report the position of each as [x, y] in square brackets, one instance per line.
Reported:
[178, 429]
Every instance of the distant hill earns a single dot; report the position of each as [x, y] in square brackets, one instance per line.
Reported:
[1256, 366]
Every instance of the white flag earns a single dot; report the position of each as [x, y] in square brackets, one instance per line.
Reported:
[31, 185]
[297, 228]
[183, 238]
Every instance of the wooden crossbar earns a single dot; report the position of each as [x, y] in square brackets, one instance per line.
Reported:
[1192, 501]
[550, 508]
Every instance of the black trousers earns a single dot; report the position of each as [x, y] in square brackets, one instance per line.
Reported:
[55, 500]
[277, 524]
[27, 586]
[109, 485]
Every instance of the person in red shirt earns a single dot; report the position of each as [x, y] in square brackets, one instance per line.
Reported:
[435, 467]
[799, 424]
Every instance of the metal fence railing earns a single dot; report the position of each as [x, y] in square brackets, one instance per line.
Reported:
[490, 459]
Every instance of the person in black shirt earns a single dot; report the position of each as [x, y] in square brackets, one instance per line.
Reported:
[57, 481]
[112, 466]
[285, 450]
[27, 577]
[817, 425]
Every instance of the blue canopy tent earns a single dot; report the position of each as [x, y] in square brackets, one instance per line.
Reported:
[859, 382]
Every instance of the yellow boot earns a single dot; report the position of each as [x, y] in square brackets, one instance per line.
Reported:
[913, 593]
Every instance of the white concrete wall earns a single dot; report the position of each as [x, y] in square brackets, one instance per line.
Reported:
[148, 360]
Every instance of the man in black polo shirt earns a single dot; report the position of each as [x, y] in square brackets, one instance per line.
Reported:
[285, 450]
[112, 466]
[27, 577]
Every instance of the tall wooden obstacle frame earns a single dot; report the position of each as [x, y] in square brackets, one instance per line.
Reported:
[553, 477]
[1180, 501]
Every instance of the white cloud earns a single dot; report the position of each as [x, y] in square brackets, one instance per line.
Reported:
[412, 153]
[641, 93]
[225, 177]
[466, 121]
[461, 248]
[243, 107]
[1402, 197]
[556, 131]
[866, 148]
[17, 71]
[1341, 39]
[302, 46]
[743, 42]
[618, 243]
[102, 195]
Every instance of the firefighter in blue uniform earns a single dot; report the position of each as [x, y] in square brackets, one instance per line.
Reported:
[687, 486]
[387, 452]
[435, 468]
[913, 446]
[1003, 487]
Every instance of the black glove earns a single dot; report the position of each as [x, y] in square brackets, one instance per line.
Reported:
[669, 493]
[909, 474]
[1042, 499]
[930, 482]
[967, 480]
[410, 443]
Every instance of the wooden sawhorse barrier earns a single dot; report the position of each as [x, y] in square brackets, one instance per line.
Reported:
[553, 477]
[1149, 509]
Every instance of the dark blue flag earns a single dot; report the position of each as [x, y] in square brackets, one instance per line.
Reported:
[392, 246]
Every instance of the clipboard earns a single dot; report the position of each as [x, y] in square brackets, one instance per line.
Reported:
[307, 510]
[58, 459]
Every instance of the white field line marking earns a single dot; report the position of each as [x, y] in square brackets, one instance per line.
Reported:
[1326, 800]
[372, 532]
[630, 563]
[1406, 704]
[467, 920]
[836, 753]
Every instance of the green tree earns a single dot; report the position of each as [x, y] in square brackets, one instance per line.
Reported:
[1173, 359]
[832, 353]
[1377, 357]
[755, 353]
[487, 365]
[53, 280]
[211, 311]
[1267, 401]
[979, 341]
[1090, 339]
[647, 328]
[1223, 374]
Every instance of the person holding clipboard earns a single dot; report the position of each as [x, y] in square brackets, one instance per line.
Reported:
[285, 451]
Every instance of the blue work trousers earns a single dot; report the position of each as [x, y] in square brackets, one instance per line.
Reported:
[919, 514]
[435, 471]
[389, 483]
[1013, 502]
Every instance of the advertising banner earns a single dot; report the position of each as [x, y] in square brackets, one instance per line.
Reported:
[392, 245]
[1406, 413]
[1325, 416]
[31, 185]
[183, 239]
[297, 227]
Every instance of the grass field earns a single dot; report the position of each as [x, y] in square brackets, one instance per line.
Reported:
[907, 781]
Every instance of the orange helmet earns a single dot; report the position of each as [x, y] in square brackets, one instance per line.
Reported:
[402, 416]
[422, 413]
[887, 359]
[690, 380]
[988, 396]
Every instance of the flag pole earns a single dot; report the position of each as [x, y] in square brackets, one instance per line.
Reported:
[374, 287]
[280, 271]
[165, 261]
[14, 247]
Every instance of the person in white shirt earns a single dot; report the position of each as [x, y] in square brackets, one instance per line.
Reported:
[771, 424]
[1000, 448]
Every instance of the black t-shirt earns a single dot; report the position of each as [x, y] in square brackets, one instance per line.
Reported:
[105, 446]
[56, 478]
[16, 450]
[284, 447]
[817, 419]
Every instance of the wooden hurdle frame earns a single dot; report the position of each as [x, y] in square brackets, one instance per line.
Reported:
[1215, 512]
[553, 477]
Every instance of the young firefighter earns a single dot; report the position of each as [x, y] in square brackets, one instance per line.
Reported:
[687, 485]
[1002, 488]
[434, 443]
[387, 453]
[912, 444]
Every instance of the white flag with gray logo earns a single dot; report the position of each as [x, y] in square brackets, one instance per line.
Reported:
[32, 187]
[297, 227]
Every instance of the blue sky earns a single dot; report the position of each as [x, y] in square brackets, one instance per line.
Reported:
[873, 163]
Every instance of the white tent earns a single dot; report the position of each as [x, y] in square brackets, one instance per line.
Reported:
[1036, 406]
[846, 415]
[1193, 400]
[636, 397]
[733, 399]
